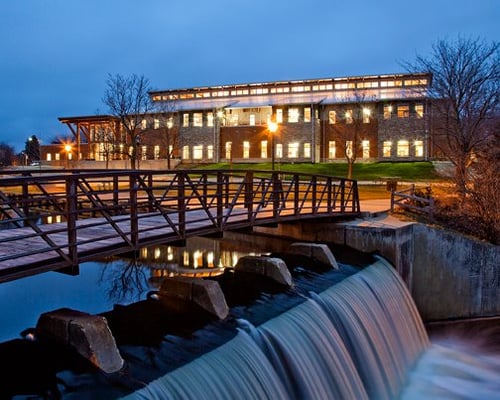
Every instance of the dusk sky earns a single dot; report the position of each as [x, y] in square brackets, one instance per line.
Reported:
[56, 54]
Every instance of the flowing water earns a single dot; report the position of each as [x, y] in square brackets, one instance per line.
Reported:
[360, 339]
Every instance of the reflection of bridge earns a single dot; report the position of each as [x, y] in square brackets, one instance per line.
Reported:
[55, 220]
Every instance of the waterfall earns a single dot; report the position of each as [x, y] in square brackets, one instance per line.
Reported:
[360, 339]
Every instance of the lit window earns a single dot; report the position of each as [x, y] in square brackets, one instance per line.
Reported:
[332, 117]
[170, 122]
[144, 124]
[387, 112]
[252, 119]
[403, 149]
[156, 152]
[198, 152]
[210, 152]
[144, 152]
[185, 152]
[185, 120]
[419, 148]
[365, 144]
[348, 148]
[386, 149]
[49, 157]
[156, 123]
[348, 117]
[235, 119]
[198, 119]
[210, 119]
[331, 149]
[58, 156]
[246, 149]
[279, 116]
[293, 115]
[307, 150]
[403, 111]
[293, 150]
[228, 150]
[307, 114]
[263, 149]
[419, 110]
[279, 150]
[366, 115]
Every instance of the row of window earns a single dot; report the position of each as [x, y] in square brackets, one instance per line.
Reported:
[294, 88]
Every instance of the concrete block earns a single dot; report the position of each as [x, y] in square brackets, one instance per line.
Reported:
[89, 335]
[318, 251]
[271, 267]
[204, 293]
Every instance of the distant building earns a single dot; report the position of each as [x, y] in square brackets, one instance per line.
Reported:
[376, 118]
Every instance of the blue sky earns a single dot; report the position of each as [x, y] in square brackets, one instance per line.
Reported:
[56, 54]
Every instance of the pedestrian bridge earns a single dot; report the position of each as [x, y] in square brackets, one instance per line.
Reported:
[58, 219]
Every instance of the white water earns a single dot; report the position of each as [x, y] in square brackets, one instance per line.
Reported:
[361, 339]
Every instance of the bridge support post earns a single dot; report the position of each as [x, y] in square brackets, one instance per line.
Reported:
[249, 194]
[71, 217]
[181, 205]
[134, 222]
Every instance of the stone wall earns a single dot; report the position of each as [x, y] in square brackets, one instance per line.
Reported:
[450, 276]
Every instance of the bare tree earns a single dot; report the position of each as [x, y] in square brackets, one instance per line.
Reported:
[128, 99]
[356, 116]
[465, 94]
[167, 115]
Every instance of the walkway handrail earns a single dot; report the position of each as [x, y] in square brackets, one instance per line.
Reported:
[65, 213]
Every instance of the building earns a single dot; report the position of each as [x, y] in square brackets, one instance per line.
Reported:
[369, 118]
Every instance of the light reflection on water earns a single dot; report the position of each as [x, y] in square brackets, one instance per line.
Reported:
[101, 285]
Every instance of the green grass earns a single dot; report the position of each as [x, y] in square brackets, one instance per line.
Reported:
[376, 171]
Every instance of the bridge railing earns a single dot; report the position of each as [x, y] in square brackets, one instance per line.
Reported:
[64, 213]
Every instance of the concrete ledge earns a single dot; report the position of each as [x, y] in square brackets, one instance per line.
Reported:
[317, 251]
[89, 335]
[271, 267]
[204, 293]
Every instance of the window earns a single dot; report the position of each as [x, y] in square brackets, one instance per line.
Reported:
[348, 148]
[156, 152]
[246, 149]
[307, 114]
[293, 150]
[365, 144]
[210, 119]
[210, 152]
[348, 117]
[198, 119]
[386, 149]
[252, 119]
[49, 157]
[185, 120]
[279, 116]
[263, 149]
[387, 112]
[58, 157]
[419, 110]
[198, 152]
[228, 150]
[403, 111]
[366, 115]
[279, 150]
[403, 149]
[307, 150]
[293, 115]
[170, 122]
[156, 123]
[144, 124]
[331, 149]
[419, 148]
[185, 152]
[144, 152]
[332, 117]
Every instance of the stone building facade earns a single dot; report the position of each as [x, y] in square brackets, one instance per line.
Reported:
[373, 118]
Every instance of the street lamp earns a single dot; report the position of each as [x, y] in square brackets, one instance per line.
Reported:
[272, 127]
[67, 149]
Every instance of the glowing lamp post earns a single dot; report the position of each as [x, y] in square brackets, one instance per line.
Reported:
[67, 149]
[272, 128]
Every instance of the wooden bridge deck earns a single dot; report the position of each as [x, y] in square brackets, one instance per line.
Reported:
[105, 213]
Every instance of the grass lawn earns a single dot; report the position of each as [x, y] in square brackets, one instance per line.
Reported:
[376, 171]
